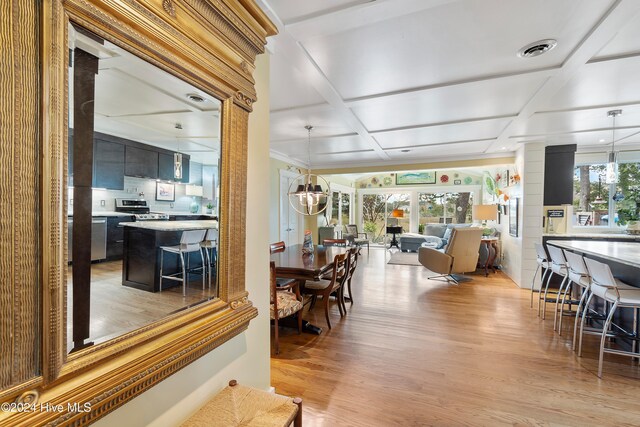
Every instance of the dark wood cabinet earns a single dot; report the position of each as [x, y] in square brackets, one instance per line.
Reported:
[141, 162]
[559, 165]
[115, 236]
[108, 165]
[165, 167]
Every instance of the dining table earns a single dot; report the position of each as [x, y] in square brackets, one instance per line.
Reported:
[292, 263]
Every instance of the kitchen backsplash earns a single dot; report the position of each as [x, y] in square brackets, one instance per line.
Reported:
[132, 189]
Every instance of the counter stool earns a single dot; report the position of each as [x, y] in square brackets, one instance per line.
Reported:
[558, 266]
[579, 275]
[543, 263]
[612, 290]
[210, 243]
[189, 242]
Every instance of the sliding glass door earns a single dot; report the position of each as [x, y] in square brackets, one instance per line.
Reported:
[414, 207]
[377, 214]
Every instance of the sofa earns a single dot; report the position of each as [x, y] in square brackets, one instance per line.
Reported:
[434, 236]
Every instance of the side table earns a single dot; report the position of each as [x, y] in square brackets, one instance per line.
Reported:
[492, 250]
[393, 229]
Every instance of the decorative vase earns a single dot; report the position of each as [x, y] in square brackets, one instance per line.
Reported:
[194, 207]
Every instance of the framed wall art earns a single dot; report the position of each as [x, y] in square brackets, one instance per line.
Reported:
[415, 178]
[165, 192]
[513, 217]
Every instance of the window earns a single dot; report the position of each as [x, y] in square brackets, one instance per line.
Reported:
[446, 208]
[596, 203]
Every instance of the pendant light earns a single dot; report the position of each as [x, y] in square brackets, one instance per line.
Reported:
[308, 198]
[612, 165]
[177, 157]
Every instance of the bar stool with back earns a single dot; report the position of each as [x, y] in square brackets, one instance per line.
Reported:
[610, 289]
[559, 267]
[543, 267]
[189, 243]
[210, 243]
[579, 275]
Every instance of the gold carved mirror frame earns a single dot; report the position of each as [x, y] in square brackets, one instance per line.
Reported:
[211, 44]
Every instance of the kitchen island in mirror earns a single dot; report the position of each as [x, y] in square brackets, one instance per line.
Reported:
[160, 248]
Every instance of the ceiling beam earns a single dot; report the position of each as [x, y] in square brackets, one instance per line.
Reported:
[300, 59]
[335, 21]
[618, 15]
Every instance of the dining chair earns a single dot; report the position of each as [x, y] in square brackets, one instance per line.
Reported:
[353, 263]
[189, 243]
[325, 288]
[277, 247]
[543, 267]
[286, 300]
[621, 295]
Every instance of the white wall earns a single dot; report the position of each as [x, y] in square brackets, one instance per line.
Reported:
[519, 256]
[245, 357]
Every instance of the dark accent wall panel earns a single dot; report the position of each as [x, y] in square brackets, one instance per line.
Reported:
[559, 163]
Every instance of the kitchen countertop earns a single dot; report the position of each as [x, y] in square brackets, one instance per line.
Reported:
[105, 213]
[595, 235]
[172, 225]
[622, 252]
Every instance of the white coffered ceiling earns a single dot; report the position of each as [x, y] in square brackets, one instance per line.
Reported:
[442, 78]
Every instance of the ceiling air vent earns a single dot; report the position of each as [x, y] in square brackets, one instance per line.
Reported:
[537, 48]
[195, 97]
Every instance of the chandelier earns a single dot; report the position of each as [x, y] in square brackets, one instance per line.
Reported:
[308, 198]
[611, 176]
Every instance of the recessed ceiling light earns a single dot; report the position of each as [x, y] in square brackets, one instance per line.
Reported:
[602, 140]
[504, 148]
[537, 48]
[195, 97]
[404, 151]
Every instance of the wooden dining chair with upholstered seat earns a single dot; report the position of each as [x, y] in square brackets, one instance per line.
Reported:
[334, 284]
[286, 300]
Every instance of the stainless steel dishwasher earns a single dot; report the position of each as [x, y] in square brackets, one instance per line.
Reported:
[98, 238]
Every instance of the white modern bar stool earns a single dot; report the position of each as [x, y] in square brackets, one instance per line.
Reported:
[558, 266]
[210, 243]
[543, 267]
[579, 275]
[610, 289]
[189, 243]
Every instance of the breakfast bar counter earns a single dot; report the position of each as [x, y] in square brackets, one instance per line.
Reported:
[622, 257]
[141, 253]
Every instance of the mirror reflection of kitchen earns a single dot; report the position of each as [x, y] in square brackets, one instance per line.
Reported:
[143, 193]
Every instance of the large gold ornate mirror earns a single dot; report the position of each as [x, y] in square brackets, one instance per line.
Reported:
[119, 106]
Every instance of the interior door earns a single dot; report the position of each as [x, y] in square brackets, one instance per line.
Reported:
[290, 227]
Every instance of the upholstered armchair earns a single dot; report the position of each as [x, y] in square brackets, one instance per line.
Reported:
[458, 257]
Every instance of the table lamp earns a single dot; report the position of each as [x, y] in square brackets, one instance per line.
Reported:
[484, 213]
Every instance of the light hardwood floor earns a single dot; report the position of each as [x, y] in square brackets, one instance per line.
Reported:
[117, 309]
[416, 352]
